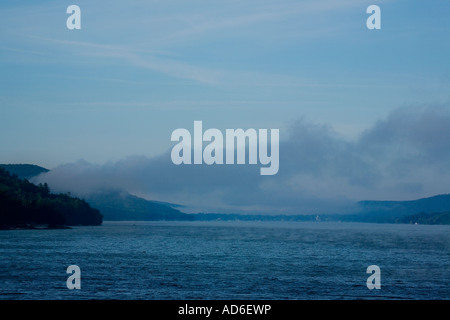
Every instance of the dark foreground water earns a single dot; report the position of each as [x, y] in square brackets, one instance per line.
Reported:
[227, 260]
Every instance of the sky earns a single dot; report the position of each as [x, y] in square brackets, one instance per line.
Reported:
[363, 114]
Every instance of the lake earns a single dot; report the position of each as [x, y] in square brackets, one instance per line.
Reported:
[227, 260]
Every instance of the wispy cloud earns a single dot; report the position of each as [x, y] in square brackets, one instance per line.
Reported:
[179, 28]
[260, 13]
[148, 59]
[18, 50]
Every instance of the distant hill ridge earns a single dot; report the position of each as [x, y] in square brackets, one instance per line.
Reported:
[431, 204]
[389, 211]
[120, 205]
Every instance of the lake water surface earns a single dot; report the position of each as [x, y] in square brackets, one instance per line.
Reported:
[227, 260]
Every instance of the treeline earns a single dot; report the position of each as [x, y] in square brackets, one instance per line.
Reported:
[25, 204]
[419, 218]
[251, 217]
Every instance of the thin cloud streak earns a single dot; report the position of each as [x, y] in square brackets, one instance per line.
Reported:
[140, 58]
[255, 14]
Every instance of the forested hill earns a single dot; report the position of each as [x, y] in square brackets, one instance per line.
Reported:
[438, 203]
[23, 204]
[113, 204]
[120, 205]
[431, 210]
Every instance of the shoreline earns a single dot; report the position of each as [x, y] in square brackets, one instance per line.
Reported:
[30, 226]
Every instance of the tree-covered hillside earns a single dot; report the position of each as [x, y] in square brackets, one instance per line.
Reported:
[120, 205]
[25, 204]
[427, 218]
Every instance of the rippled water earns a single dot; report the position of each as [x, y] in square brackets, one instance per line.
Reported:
[227, 260]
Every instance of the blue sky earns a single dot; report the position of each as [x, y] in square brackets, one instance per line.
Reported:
[137, 70]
